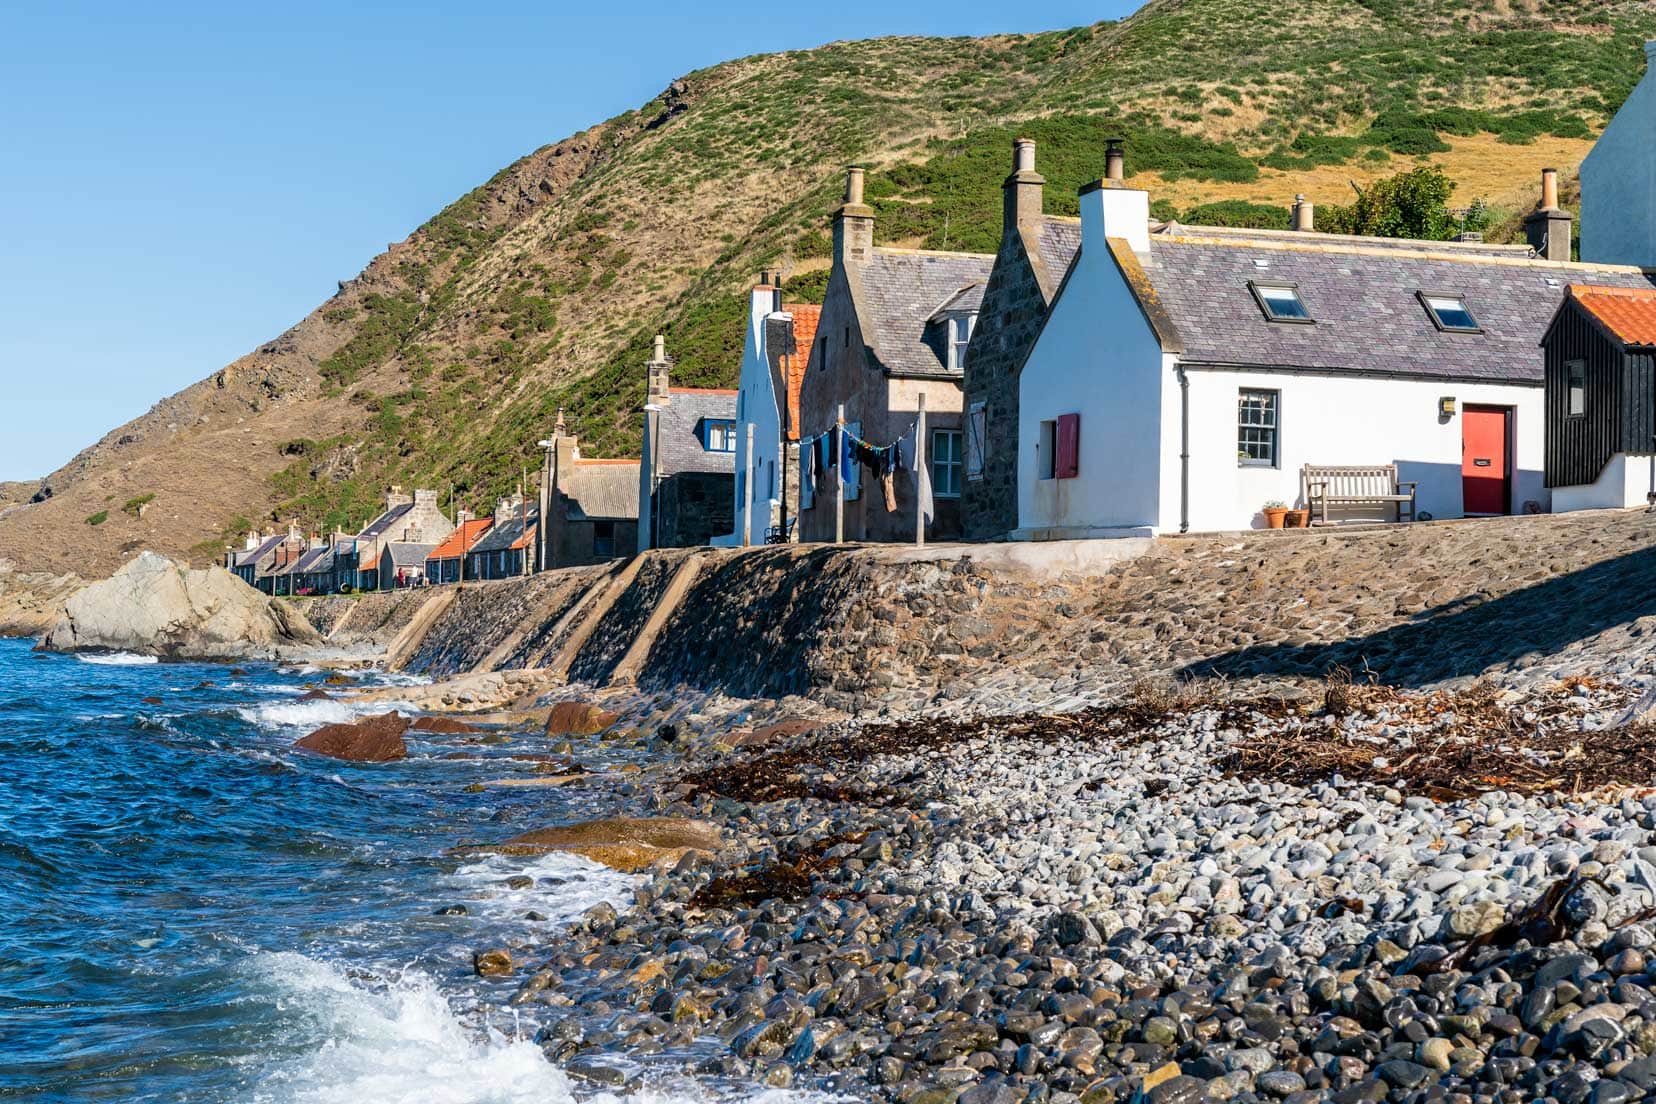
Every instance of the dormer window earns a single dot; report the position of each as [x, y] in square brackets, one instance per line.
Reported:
[958, 334]
[719, 435]
[1449, 312]
[1280, 302]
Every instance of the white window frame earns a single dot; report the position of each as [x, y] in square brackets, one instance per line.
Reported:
[1575, 388]
[958, 333]
[1046, 450]
[950, 469]
[1244, 460]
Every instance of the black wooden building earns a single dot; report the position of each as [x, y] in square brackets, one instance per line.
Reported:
[1600, 353]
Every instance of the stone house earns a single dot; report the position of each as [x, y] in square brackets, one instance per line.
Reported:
[415, 519]
[264, 555]
[506, 548]
[686, 472]
[1185, 375]
[1035, 252]
[402, 564]
[895, 325]
[777, 344]
[591, 505]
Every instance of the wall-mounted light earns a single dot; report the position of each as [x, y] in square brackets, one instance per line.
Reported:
[1446, 406]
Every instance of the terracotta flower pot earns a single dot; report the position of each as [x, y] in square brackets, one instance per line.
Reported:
[1296, 519]
[1274, 516]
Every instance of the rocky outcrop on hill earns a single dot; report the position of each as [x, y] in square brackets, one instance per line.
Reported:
[153, 606]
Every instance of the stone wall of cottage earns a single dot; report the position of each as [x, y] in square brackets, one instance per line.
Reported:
[695, 507]
[1007, 323]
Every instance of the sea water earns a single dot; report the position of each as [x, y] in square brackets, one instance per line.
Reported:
[191, 910]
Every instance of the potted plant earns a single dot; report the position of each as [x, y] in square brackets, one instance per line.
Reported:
[1275, 511]
[1296, 518]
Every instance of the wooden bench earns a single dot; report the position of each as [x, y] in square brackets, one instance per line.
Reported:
[1352, 485]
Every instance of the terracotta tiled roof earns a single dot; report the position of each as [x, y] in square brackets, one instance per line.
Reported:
[1628, 313]
[462, 540]
[805, 319]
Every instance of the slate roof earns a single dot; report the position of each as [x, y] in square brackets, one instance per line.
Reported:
[509, 532]
[385, 521]
[1059, 241]
[804, 320]
[265, 548]
[1627, 314]
[607, 490]
[406, 554]
[1362, 294]
[901, 291]
[314, 561]
[462, 540]
[679, 440]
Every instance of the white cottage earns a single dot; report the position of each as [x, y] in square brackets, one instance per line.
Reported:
[1186, 375]
[775, 350]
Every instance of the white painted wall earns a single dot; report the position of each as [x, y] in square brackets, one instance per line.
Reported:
[1618, 182]
[1098, 357]
[756, 405]
[1624, 482]
[1328, 419]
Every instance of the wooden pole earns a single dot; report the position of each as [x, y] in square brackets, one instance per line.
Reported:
[919, 466]
[747, 485]
[839, 471]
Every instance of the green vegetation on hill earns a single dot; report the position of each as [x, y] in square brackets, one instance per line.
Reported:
[541, 289]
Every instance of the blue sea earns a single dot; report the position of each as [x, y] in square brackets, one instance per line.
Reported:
[190, 910]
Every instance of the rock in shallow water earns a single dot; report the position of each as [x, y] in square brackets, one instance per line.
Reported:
[376, 739]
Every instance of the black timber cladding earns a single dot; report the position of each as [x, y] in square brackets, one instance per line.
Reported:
[1619, 407]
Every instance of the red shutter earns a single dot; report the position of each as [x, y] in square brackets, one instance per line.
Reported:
[1068, 464]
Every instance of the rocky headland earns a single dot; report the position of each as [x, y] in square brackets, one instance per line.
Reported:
[152, 606]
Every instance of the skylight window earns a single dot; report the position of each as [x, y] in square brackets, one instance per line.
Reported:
[1281, 302]
[1450, 313]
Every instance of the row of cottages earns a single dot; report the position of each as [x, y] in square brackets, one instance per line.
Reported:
[683, 482]
[389, 551]
[893, 332]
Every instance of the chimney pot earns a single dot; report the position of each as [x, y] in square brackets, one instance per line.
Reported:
[1023, 155]
[854, 187]
[660, 348]
[1549, 189]
[1304, 214]
[1115, 166]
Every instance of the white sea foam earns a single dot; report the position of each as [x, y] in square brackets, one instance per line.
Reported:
[393, 1043]
[400, 1041]
[312, 714]
[116, 659]
[583, 883]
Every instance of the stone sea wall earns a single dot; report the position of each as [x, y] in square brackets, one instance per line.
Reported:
[1009, 627]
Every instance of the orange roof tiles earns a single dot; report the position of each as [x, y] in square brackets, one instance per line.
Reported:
[805, 319]
[461, 540]
[1628, 313]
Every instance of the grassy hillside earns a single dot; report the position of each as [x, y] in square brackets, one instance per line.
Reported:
[448, 357]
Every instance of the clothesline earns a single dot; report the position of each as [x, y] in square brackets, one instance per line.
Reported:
[809, 441]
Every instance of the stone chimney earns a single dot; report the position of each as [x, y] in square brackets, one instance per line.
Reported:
[1115, 160]
[656, 372]
[1305, 217]
[853, 223]
[1110, 209]
[395, 497]
[1547, 228]
[1021, 193]
[252, 541]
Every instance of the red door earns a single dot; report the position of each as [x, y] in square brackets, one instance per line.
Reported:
[1484, 459]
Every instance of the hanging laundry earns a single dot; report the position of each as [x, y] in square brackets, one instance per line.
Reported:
[850, 470]
[888, 481]
[905, 450]
[922, 480]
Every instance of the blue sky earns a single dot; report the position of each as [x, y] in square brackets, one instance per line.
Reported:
[181, 182]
